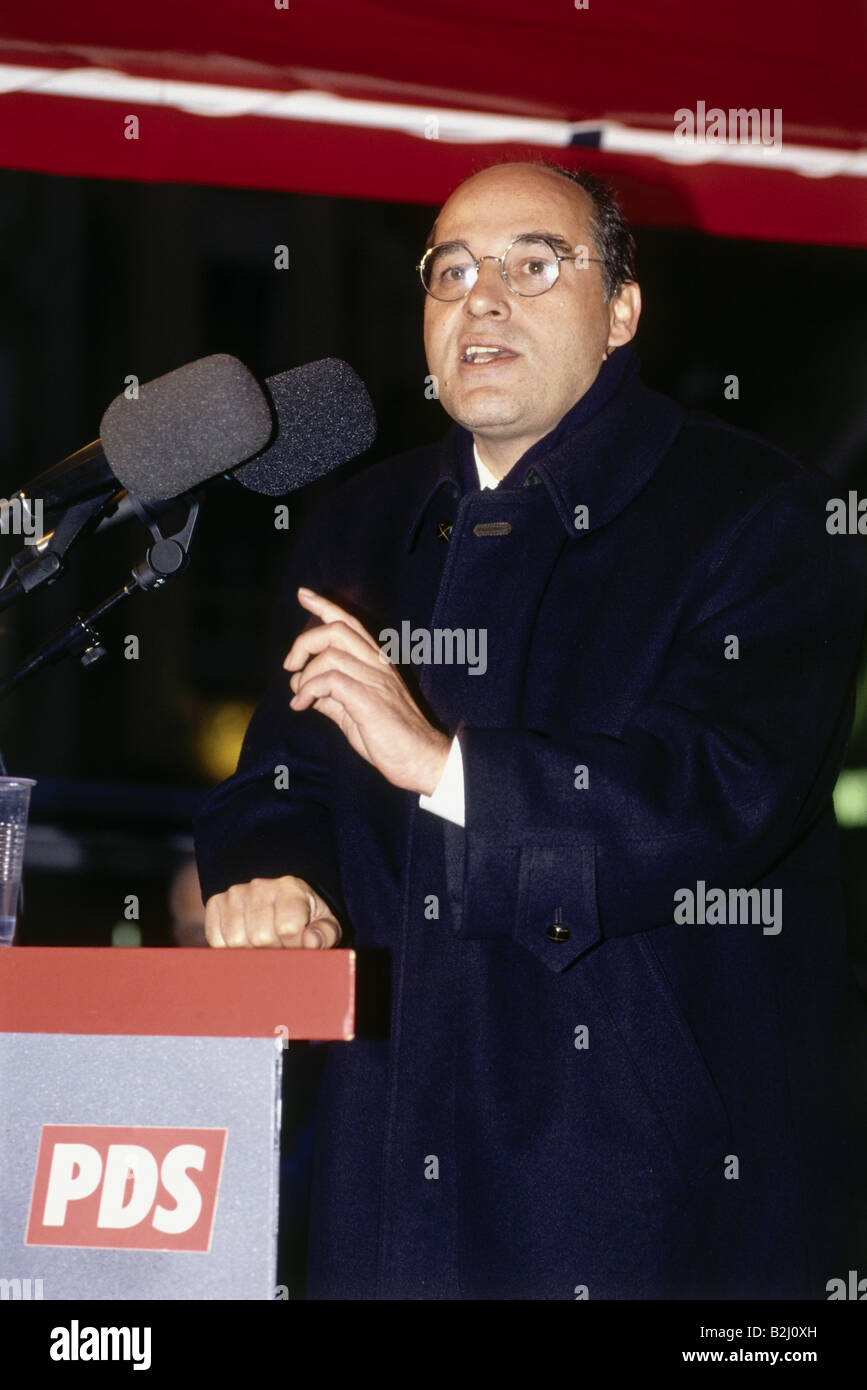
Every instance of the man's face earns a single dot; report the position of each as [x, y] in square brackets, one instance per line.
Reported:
[555, 341]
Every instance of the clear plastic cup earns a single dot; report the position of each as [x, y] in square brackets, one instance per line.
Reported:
[14, 805]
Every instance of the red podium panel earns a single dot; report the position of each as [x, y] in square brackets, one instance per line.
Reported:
[180, 993]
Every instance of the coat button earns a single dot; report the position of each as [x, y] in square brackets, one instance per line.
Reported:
[557, 932]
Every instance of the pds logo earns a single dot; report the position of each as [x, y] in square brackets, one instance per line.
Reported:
[126, 1187]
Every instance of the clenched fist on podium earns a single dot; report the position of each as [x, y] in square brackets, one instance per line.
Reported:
[271, 912]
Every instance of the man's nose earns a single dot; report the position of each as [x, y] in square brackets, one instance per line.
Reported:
[490, 292]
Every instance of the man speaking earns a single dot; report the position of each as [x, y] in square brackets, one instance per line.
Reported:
[602, 864]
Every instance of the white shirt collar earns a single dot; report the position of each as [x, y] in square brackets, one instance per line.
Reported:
[486, 477]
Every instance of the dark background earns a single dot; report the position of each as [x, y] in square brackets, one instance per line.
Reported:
[100, 279]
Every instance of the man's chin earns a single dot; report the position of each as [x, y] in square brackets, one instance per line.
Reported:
[494, 416]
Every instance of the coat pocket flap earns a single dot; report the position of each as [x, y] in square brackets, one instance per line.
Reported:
[557, 917]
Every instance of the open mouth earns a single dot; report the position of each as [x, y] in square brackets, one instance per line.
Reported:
[480, 355]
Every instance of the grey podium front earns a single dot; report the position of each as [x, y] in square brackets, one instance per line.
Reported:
[140, 1115]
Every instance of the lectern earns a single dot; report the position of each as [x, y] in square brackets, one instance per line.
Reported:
[140, 1115]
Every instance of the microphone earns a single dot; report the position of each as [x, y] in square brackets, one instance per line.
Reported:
[325, 417]
[204, 419]
[184, 428]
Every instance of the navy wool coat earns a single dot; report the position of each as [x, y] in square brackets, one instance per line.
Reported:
[575, 1090]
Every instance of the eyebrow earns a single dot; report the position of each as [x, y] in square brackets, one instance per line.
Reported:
[554, 237]
[549, 236]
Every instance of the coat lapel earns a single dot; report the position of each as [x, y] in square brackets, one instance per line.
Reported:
[505, 542]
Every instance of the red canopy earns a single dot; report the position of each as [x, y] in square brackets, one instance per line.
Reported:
[400, 101]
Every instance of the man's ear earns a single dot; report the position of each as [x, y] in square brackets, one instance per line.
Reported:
[624, 313]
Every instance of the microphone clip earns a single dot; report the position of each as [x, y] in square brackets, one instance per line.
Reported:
[169, 554]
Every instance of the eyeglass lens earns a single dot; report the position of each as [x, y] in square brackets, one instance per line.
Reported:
[530, 267]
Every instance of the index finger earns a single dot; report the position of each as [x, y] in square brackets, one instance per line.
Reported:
[331, 612]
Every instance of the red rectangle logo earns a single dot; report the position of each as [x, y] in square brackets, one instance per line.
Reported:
[126, 1187]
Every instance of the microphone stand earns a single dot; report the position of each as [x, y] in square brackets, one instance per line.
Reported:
[167, 556]
[42, 562]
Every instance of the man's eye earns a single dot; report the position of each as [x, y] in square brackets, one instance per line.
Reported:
[452, 273]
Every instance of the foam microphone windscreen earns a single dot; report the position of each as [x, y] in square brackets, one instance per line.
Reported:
[325, 417]
[186, 427]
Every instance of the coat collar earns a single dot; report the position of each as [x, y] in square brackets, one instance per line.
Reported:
[601, 463]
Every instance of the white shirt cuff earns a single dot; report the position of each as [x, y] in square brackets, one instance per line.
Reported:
[447, 798]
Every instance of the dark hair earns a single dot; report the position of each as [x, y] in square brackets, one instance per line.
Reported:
[608, 227]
